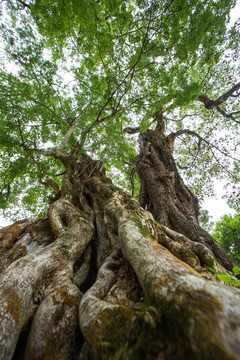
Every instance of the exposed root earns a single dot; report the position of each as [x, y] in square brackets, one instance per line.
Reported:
[55, 331]
[20, 281]
[197, 255]
[106, 310]
[167, 280]
[9, 234]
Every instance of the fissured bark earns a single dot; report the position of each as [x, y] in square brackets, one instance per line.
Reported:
[164, 194]
[101, 279]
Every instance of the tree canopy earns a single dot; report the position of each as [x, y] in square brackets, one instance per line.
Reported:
[145, 92]
[89, 75]
[227, 233]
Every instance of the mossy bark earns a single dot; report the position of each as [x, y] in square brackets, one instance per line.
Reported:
[101, 279]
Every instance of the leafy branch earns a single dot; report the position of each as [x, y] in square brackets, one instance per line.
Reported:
[231, 278]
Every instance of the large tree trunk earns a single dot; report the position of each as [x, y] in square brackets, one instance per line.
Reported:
[164, 194]
[101, 279]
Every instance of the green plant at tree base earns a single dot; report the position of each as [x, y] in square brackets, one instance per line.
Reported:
[229, 278]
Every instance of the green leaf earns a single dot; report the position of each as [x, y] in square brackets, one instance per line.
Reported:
[236, 270]
[225, 278]
[211, 269]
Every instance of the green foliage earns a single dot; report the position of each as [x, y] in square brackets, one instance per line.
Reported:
[205, 219]
[227, 233]
[229, 278]
[110, 65]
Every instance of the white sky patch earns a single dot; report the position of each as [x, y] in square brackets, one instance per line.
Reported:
[4, 222]
[217, 206]
[235, 13]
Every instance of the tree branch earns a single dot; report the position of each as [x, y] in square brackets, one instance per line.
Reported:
[49, 183]
[67, 135]
[45, 106]
[160, 120]
[228, 116]
[225, 96]
[130, 73]
[24, 4]
[8, 187]
[223, 167]
[214, 104]
[130, 130]
[171, 138]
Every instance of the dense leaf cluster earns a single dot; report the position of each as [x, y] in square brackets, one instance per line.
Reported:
[96, 67]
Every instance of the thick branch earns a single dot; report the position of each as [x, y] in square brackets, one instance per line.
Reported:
[214, 104]
[130, 130]
[160, 120]
[172, 137]
[229, 93]
[67, 135]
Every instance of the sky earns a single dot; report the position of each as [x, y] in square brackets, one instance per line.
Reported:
[216, 205]
[235, 13]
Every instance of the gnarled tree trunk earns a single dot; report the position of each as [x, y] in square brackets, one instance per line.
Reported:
[164, 194]
[101, 279]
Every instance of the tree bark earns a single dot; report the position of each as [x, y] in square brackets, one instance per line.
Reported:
[164, 194]
[100, 278]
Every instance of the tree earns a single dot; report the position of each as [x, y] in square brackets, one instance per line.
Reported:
[227, 233]
[101, 276]
[205, 219]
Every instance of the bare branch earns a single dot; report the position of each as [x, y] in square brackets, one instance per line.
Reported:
[187, 115]
[214, 104]
[24, 4]
[56, 92]
[223, 167]
[171, 138]
[130, 74]
[45, 106]
[228, 116]
[8, 187]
